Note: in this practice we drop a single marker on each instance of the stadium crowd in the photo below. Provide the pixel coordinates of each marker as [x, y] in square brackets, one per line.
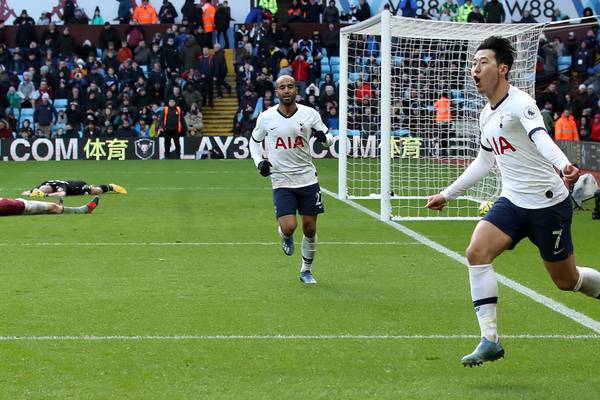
[58, 87]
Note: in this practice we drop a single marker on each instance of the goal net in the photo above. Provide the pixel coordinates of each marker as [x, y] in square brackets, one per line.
[409, 111]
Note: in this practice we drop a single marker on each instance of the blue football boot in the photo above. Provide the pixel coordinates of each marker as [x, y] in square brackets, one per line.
[307, 277]
[485, 351]
[287, 245]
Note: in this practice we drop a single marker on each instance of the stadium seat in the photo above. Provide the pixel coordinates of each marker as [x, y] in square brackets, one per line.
[353, 132]
[397, 61]
[324, 52]
[324, 60]
[334, 61]
[335, 68]
[401, 132]
[564, 63]
[336, 78]
[145, 70]
[60, 104]
[325, 68]
[353, 76]
[334, 132]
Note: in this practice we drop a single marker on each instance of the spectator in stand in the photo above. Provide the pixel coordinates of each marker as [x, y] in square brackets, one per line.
[450, 9]
[68, 16]
[167, 13]
[408, 7]
[583, 60]
[590, 39]
[13, 99]
[97, 18]
[571, 44]
[494, 12]
[45, 18]
[464, 11]
[66, 44]
[27, 92]
[124, 11]
[595, 134]
[44, 116]
[301, 73]
[135, 35]
[566, 127]
[475, 16]
[5, 131]
[590, 18]
[108, 35]
[192, 12]
[25, 30]
[25, 131]
[559, 16]
[296, 12]
[351, 17]
[2, 32]
[222, 21]
[145, 13]
[527, 18]
[313, 11]
[142, 129]
[142, 54]
[548, 116]
[193, 121]
[331, 41]
[585, 128]
[208, 20]
[550, 57]
[364, 10]
[220, 70]
[206, 68]
[270, 5]
[124, 53]
[331, 14]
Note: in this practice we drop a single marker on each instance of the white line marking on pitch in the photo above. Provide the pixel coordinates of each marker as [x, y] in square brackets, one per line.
[86, 244]
[282, 337]
[560, 308]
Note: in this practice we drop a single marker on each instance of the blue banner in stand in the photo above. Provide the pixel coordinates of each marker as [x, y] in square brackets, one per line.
[192, 148]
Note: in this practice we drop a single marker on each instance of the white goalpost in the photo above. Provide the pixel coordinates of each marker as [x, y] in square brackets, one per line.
[409, 112]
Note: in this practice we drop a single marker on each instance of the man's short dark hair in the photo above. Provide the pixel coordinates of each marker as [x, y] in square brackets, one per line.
[502, 48]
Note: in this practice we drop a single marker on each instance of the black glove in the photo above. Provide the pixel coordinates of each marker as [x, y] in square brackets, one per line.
[265, 167]
[319, 135]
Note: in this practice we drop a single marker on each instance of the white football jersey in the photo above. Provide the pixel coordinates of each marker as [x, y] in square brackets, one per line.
[287, 140]
[528, 179]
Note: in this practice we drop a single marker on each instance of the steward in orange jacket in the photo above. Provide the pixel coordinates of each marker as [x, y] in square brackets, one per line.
[566, 127]
[145, 13]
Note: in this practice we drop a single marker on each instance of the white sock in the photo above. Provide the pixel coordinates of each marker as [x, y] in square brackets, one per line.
[309, 248]
[589, 282]
[484, 293]
[281, 233]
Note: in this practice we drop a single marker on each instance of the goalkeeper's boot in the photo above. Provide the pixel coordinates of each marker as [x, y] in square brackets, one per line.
[307, 277]
[485, 351]
[91, 206]
[37, 193]
[287, 245]
[117, 188]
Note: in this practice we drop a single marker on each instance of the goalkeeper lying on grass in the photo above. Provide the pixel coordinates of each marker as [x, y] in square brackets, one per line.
[71, 188]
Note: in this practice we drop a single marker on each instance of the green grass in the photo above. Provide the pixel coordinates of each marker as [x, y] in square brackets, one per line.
[193, 250]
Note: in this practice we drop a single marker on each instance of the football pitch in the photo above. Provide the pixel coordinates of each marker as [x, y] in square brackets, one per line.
[179, 290]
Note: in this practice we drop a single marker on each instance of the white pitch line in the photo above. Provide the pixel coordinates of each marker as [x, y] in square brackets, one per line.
[554, 305]
[89, 244]
[90, 338]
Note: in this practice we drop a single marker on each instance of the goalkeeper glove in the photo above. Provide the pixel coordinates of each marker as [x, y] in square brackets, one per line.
[265, 167]
[320, 136]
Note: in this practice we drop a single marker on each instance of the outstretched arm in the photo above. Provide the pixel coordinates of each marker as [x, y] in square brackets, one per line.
[554, 154]
[473, 174]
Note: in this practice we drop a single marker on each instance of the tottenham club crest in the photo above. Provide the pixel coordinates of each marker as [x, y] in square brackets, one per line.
[144, 148]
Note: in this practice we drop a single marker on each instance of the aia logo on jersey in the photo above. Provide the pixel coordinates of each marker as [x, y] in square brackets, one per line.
[288, 143]
[500, 145]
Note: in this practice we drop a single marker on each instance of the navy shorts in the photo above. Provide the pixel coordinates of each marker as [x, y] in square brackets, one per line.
[548, 228]
[306, 200]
